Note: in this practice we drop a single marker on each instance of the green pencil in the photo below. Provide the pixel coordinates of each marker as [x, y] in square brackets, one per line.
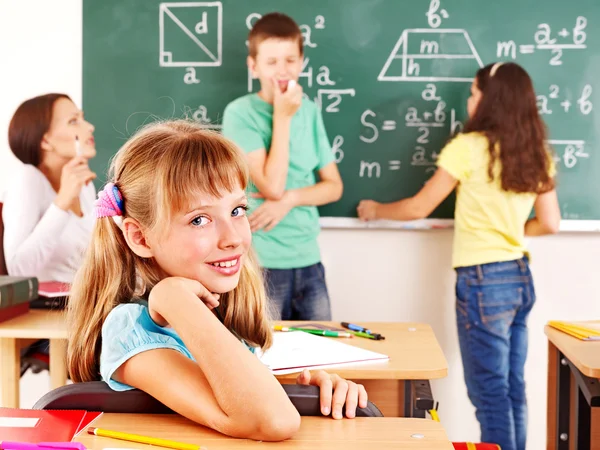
[326, 333]
[364, 335]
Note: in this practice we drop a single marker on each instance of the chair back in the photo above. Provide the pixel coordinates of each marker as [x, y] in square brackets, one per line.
[3, 269]
[98, 396]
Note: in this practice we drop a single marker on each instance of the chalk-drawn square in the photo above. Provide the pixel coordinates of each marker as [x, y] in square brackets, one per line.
[190, 34]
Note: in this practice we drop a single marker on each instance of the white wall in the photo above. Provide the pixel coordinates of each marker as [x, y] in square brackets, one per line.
[372, 275]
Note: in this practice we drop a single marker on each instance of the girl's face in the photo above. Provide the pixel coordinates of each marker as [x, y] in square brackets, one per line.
[207, 243]
[474, 99]
[67, 124]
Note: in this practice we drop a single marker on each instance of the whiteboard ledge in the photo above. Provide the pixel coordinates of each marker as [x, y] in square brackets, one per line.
[436, 224]
[349, 222]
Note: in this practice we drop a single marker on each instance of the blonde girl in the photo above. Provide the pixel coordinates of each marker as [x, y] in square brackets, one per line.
[170, 299]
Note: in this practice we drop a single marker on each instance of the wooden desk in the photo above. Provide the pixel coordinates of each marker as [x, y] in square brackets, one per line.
[573, 368]
[36, 324]
[415, 355]
[315, 433]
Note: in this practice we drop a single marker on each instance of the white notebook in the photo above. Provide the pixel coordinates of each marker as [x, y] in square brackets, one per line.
[294, 351]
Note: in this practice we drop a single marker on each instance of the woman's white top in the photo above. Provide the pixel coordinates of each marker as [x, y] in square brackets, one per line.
[40, 239]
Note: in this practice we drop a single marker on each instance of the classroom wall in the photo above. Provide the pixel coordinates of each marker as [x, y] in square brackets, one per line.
[372, 275]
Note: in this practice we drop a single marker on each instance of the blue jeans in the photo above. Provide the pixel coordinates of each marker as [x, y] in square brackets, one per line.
[492, 305]
[298, 294]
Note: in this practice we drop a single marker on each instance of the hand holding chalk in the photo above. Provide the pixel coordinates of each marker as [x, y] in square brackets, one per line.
[285, 104]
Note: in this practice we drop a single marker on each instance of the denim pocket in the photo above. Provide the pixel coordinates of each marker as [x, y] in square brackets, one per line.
[461, 306]
[498, 304]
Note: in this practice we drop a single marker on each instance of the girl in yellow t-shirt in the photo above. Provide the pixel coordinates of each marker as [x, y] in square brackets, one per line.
[501, 168]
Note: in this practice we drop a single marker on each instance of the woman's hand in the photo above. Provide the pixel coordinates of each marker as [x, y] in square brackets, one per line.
[75, 174]
[335, 392]
[169, 289]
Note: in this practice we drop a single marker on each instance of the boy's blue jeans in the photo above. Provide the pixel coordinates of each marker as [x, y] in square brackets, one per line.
[492, 305]
[298, 294]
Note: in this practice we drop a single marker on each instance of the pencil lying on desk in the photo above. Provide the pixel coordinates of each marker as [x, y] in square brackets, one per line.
[143, 439]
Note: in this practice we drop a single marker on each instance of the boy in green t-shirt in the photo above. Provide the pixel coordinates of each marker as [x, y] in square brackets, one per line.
[292, 170]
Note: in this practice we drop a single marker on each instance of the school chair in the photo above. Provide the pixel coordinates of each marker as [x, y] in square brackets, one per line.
[97, 396]
[35, 357]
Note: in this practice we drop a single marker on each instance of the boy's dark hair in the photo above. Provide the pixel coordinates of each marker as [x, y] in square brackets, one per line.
[273, 25]
[507, 115]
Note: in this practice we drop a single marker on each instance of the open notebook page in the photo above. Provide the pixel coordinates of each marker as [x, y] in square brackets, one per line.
[295, 350]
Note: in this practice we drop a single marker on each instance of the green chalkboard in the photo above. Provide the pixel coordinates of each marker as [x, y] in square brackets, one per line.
[391, 76]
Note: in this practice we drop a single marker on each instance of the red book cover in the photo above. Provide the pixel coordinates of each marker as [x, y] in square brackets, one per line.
[90, 416]
[13, 311]
[34, 425]
[51, 289]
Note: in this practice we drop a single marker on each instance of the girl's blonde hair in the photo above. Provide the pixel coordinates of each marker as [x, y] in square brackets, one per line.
[158, 171]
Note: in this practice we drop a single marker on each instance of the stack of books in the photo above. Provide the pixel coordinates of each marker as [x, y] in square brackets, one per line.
[52, 295]
[584, 330]
[16, 293]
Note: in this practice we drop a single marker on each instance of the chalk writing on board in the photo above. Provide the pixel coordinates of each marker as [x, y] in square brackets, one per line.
[336, 148]
[572, 151]
[184, 28]
[200, 115]
[416, 53]
[584, 104]
[544, 40]
[331, 98]
[190, 76]
[394, 164]
[435, 14]
[370, 169]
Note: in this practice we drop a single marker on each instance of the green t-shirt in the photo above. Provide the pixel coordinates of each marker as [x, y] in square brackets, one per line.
[248, 121]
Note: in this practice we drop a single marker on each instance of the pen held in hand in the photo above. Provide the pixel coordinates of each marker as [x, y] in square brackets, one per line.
[77, 147]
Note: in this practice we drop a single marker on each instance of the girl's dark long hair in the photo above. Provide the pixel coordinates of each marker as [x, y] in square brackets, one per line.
[507, 115]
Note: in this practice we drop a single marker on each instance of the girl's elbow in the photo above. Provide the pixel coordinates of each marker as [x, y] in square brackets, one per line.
[272, 426]
[553, 226]
[278, 427]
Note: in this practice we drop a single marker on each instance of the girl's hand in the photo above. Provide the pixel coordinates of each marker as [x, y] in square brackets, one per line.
[335, 392]
[169, 289]
[367, 210]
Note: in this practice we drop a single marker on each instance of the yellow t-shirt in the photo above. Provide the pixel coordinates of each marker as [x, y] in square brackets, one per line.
[489, 223]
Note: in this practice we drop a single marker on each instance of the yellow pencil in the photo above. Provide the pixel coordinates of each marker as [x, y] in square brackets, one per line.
[434, 415]
[142, 439]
